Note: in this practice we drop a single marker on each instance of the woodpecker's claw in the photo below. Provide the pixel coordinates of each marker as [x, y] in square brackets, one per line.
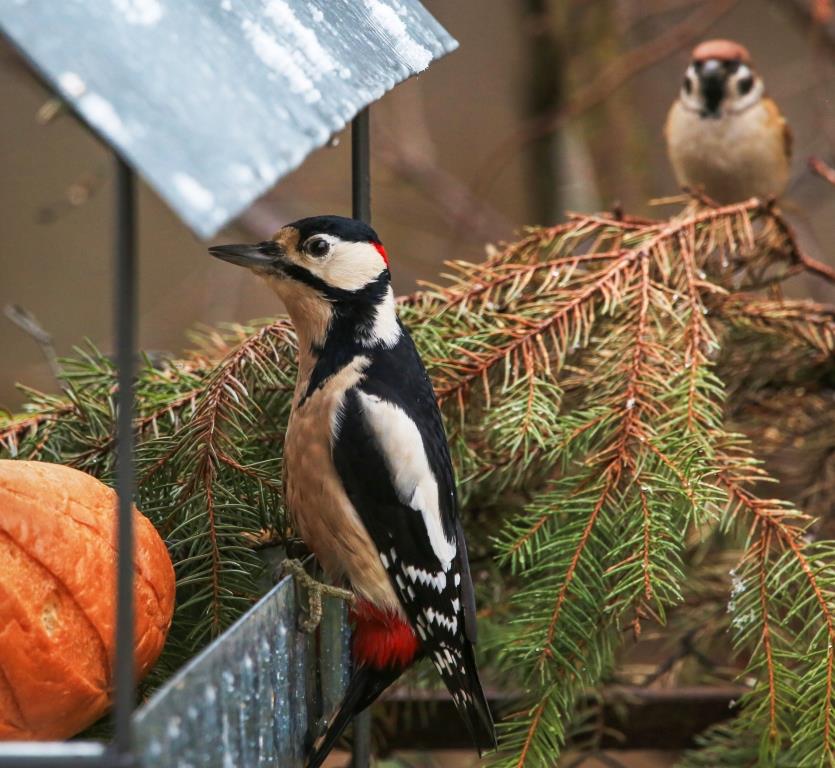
[315, 590]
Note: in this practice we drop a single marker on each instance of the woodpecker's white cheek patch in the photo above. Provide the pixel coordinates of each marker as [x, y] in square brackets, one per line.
[350, 266]
[402, 447]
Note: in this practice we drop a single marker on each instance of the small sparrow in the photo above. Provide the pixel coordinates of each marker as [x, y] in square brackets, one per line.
[725, 138]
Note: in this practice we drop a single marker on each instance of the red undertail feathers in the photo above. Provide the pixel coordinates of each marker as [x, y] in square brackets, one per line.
[382, 639]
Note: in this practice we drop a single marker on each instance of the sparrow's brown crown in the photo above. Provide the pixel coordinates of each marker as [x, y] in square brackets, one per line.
[724, 50]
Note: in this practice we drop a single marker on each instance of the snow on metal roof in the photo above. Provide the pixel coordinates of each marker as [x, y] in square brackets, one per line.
[213, 101]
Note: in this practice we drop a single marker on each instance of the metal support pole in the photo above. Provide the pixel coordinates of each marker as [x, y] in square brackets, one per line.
[361, 206]
[124, 307]
[361, 166]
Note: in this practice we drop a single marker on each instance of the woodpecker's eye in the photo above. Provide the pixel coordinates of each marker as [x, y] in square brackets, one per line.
[317, 247]
[745, 85]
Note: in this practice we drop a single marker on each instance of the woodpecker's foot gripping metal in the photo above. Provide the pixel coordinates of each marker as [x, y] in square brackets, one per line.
[315, 590]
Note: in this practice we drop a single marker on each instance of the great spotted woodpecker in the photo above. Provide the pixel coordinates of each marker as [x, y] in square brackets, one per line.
[724, 135]
[368, 477]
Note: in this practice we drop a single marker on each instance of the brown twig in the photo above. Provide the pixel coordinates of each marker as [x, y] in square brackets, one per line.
[764, 546]
[809, 264]
[822, 169]
[575, 559]
[809, 321]
[523, 755]
[11, 433]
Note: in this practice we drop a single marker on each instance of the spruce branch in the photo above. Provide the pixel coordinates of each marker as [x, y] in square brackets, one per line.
[592, 375]
[795, 322]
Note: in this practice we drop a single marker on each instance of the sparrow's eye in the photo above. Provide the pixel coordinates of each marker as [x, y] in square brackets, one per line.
[745, 85]
[317, 247]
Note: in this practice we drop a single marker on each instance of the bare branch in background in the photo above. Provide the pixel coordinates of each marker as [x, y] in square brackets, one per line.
[810, 264]
[826, 172]
[817, 12]
[262, 218]
[29, 324]
[645, 9]
[544, 87]
[77, 194]
[822, 11]
[818, 18]
[403, 143]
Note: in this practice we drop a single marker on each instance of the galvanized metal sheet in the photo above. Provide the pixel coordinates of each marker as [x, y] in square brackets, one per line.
[212, 101]
[255, 696]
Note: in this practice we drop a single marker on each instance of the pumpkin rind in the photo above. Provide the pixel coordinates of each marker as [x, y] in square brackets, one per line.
[58, 599]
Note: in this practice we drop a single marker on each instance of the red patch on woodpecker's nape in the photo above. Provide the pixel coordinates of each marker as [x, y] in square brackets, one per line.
[382, 639]
[382, 252]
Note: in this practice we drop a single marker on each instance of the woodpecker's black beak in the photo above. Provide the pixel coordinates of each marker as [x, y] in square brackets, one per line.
[712, 78]
[261, 255]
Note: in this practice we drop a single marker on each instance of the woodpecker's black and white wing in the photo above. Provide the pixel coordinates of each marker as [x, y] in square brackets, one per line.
[391, 453]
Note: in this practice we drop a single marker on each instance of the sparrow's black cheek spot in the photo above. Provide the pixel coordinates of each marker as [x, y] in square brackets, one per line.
[745, 85]
[688, 86]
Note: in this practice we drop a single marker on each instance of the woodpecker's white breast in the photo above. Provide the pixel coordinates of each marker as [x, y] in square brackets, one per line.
[733, 157]
[319, 507]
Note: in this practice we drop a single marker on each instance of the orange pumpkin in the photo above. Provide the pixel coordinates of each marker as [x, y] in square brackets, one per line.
[58, 599]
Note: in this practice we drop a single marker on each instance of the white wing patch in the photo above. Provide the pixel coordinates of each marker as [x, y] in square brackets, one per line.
[402, 447]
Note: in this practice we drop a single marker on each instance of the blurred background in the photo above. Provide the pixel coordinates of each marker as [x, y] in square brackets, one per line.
[548, 106]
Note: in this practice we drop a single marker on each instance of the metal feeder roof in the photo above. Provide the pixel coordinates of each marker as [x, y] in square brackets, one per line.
[213, 101]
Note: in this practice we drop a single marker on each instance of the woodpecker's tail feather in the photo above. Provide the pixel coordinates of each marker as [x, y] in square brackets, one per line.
[367, 683]
[473, 706]
[365, 686]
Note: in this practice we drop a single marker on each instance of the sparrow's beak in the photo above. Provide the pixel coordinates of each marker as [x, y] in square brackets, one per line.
[262, 255]
[712, 81]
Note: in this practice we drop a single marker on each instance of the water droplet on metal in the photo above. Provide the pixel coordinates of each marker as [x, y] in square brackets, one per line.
[173, 730]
